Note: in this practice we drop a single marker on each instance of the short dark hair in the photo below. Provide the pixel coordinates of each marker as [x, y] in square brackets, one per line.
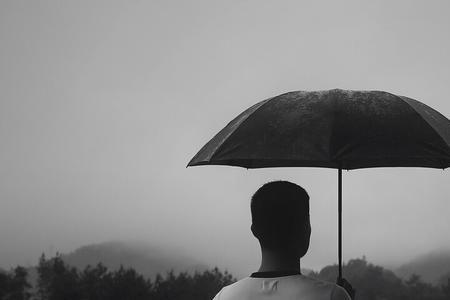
[278, 208]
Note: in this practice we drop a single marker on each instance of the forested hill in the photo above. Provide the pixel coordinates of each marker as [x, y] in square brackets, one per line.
[146, 260]
[433, 267]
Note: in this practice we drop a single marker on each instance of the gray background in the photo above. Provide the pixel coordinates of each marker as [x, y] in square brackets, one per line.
[102, 104]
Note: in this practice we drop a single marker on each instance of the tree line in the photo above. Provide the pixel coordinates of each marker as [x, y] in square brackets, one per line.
[373, 282]
[58, 281]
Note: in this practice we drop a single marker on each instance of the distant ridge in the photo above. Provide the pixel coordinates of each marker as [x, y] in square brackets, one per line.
[146, 260]
[433, 267]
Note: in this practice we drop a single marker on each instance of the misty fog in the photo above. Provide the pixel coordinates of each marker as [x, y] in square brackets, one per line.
[103, 105]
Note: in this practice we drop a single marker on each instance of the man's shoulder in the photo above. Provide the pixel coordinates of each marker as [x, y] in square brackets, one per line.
[293, 285]
[334, 290]
[240, 284]
[233, 287]
[328, 290]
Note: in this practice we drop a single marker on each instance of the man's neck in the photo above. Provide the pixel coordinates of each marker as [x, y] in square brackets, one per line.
[278, 261]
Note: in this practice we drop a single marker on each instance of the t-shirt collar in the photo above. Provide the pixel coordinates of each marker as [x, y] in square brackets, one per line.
[271, 274]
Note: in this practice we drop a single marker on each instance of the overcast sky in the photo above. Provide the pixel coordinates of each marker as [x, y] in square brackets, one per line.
[102, 104]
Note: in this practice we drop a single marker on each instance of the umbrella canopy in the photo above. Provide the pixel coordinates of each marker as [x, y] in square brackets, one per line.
[335, 129]
[339, 129]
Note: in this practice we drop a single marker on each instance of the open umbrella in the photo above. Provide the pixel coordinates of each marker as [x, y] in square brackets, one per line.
[338, 129]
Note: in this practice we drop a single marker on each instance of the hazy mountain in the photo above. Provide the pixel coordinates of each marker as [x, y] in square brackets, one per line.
[431, 267]
[144, 259]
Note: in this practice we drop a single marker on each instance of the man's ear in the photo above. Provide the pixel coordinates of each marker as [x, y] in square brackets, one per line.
[254, 230]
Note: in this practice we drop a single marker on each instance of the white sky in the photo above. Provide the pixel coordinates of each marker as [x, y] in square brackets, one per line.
[102, 104]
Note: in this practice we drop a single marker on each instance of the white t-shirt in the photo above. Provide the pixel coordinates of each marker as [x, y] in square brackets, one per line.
[289, 287]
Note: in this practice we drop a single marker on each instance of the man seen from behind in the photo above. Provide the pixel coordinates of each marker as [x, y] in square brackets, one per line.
[280, 222]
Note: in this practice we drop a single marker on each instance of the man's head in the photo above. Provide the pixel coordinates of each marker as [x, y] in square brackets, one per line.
[280, 217]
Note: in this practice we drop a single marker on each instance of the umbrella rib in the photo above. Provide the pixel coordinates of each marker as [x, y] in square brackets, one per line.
[445, 140]
[223, 139]
[230, 135]
[332, 156]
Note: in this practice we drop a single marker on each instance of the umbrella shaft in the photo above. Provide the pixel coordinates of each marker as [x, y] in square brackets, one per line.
[340, 221]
